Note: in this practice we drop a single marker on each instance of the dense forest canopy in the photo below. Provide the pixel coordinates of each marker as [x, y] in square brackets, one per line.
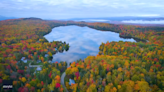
[118, 67]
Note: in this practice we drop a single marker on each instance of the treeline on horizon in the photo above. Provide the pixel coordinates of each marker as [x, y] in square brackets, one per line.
[118, 67]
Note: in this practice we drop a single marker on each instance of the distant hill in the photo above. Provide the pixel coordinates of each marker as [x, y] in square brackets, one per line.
[32, 18]
[118, 18]
[5, 18]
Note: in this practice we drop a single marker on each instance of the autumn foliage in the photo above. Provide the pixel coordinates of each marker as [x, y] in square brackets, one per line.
[24, 38]
[118, 67]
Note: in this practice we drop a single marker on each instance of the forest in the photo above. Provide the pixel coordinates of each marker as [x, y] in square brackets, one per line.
[118, 67]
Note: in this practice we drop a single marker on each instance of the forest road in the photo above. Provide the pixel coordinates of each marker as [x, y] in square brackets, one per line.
[62, 79]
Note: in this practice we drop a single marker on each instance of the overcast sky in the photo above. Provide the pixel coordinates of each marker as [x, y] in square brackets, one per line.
[64, 9]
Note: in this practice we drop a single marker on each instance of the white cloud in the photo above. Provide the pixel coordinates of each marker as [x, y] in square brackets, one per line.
[139, 3]
[81, 8]
[19, 0]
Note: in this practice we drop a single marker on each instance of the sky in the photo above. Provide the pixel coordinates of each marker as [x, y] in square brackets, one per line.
[66, 9]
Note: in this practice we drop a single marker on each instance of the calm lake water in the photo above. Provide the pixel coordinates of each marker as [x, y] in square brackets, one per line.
[83, 41]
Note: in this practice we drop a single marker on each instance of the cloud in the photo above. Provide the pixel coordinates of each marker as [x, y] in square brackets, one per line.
[19, 0]
[80, 8]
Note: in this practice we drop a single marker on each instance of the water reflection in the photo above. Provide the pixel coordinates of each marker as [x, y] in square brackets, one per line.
[83, 41]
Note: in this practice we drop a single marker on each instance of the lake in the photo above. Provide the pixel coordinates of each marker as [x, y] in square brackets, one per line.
[83, 41]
